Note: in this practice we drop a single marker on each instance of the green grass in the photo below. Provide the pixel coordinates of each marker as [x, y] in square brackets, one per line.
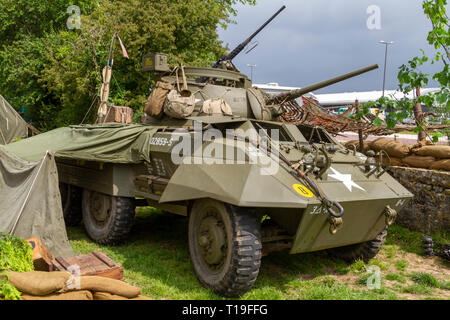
[425, 279]
[395, 277]
[401, 264]
[156, 258]
[412, 241]
[417, 289]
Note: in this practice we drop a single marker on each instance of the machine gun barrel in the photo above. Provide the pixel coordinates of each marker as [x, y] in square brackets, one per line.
[241, 47]
[294, 94]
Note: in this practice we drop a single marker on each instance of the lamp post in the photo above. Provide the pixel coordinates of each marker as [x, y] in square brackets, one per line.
[386, 43]
[251, 70]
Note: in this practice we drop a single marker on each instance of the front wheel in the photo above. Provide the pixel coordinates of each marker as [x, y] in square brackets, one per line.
[225, 247]
[365, 251]
[107, 219]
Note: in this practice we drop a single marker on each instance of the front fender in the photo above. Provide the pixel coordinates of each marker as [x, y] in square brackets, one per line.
[237, 184]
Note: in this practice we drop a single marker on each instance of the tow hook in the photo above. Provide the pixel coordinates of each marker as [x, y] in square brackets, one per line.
[335, 224]
[390, 215]
[335, 219]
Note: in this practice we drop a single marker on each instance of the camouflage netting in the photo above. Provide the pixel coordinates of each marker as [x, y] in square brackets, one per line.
[312, 114]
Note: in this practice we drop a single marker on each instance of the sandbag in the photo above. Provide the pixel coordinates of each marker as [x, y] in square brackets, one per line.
[379, 144]
[216, 106]
[418, 161]
[177, 106]
[38, 283]
[101, 284]
[436, 151]
[155, 102]
[108, 296]
[73, 295]
[441, 165]
[391, 147]
[396, 162]
[366, 145]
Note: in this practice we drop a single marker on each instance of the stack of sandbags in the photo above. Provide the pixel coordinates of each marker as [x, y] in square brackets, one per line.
[438, 156]
[60, 285]
[397, 151]
[421, 155]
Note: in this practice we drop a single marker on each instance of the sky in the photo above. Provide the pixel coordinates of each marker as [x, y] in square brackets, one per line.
[314, 40]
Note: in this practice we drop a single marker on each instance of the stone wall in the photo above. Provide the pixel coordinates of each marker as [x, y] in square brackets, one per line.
[429, 211]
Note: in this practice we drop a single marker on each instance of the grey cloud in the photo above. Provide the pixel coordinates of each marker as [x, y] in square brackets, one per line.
[311, 41]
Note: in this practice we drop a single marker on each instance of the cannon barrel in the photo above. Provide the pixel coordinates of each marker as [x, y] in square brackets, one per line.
[294, 94]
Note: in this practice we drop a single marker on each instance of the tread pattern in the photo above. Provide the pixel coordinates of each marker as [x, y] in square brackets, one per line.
[117, 228]
[365, 251]
[123, 218]
[246, 254]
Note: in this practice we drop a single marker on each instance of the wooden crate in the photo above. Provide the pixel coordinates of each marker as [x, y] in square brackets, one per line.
[42, 258]
[119, 115]
[94, 264]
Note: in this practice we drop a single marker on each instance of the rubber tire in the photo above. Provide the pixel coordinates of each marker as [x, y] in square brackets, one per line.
[243, 261]
[119, 224]
[71, 204]
[365, 251]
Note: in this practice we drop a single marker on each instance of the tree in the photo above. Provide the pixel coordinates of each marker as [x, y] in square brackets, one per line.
[411, 79]
[57, 72]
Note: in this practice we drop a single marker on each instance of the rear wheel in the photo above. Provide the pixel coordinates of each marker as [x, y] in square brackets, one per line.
[107, 219]
[365, 251]
[71, 204]
[225, 247]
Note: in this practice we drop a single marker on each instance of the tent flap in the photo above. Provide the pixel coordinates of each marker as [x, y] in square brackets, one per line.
[12, 125]
[30, 202]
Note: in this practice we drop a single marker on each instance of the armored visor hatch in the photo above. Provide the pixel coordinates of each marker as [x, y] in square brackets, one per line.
[219, 151]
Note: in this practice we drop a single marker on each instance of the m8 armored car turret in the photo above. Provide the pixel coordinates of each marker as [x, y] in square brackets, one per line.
[249, 182]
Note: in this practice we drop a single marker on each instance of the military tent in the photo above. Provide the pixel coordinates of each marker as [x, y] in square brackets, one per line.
[12, 125]
[30, 202]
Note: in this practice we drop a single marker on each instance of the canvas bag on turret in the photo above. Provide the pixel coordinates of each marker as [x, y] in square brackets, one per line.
[155, 102]
[177, 106]
[216, 106]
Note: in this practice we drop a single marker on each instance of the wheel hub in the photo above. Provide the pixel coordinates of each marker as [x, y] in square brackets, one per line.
[212, 241]
[100, 207]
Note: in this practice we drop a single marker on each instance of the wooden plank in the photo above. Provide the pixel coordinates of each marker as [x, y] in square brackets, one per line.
[103, 257]
[63, 262]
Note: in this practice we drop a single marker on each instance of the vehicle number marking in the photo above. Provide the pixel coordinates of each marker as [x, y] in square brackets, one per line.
[160, 141]
[318, 210]
[400, 203]
[302, 190]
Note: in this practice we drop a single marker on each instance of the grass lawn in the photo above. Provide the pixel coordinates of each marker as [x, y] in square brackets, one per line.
[156, 258]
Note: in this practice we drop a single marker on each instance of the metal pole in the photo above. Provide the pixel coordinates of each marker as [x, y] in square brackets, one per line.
[384, 76]
[251, 70]
[386, 43]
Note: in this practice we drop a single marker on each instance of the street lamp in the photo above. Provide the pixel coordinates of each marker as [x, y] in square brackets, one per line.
[385, 60]
[251, 70]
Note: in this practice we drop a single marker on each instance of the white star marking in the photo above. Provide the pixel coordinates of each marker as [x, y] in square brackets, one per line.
[346, 179]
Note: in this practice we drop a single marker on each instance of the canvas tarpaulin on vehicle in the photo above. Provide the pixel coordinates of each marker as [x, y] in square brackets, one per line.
[12, 125]
[113, 143]
[30, 203]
